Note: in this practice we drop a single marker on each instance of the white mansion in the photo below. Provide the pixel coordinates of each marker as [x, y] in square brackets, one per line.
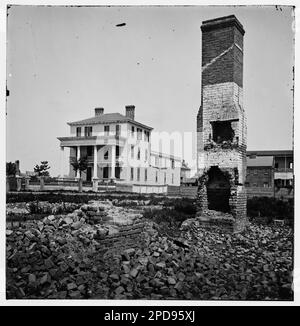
[118, 148]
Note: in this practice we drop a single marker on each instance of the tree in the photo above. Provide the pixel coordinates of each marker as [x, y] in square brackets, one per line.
[11, 168]
[42, 169]
[79, 165]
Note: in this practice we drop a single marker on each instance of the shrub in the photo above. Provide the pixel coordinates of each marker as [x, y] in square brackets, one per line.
[271, 208]
[186, 206]
[165, 215]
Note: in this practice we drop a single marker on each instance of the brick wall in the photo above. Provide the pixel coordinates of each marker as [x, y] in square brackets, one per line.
[260, 176]
[225, 37]
[129, 236]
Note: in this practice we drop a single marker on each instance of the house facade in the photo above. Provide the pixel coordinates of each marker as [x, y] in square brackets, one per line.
[118, 148]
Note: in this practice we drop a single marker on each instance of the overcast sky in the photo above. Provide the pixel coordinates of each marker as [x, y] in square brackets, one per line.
[62, 62]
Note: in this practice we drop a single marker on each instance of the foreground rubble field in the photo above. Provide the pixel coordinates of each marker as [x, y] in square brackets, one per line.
[60, 256]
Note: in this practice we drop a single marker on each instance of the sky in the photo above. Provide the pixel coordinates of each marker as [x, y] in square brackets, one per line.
[62, 62]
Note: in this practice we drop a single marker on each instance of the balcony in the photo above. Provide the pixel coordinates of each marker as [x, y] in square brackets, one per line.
[284, 174]
[92, 140]
[102, 162]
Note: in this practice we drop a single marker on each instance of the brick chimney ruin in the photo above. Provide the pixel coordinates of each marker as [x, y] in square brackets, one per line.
[221, 127]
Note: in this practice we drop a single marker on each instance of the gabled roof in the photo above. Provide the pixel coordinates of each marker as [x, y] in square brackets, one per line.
[260, 161]
[107, 118]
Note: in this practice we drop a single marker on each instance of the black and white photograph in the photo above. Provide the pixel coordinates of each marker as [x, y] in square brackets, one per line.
[149, 153]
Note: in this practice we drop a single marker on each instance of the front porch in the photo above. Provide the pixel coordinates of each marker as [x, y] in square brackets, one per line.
[103, 162]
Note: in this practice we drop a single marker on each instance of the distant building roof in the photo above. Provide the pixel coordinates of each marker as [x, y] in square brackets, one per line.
[271, 153]
[184, 166]
[107, 118]
[30, 173]
[159, 154]
[190, 180]
[260, 161]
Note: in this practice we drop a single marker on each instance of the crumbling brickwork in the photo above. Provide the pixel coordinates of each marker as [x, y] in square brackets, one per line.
[221, 122]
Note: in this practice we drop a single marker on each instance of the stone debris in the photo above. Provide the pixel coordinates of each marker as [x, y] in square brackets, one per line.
[59, 258]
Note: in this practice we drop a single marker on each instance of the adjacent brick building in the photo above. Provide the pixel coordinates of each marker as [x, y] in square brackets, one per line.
[270, 173]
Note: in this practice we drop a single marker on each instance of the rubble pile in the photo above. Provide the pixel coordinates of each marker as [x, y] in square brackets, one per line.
[214, 220]
[59, 258]
[204, 265]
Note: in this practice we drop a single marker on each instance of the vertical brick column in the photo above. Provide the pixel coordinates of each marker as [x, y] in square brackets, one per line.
[221, 122]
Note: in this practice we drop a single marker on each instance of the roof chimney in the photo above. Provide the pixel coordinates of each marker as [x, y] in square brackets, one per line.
[130, 111]
[99, 111]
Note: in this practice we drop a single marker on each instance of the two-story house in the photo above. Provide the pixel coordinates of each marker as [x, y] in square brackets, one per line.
[118, 148]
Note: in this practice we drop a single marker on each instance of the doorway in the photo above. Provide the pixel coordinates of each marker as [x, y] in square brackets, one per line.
[89, 173]
[105, 172]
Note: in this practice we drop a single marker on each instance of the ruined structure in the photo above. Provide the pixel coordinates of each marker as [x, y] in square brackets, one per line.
[221, 126]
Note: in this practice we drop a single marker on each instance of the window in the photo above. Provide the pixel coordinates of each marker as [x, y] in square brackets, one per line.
[117, 130]
[106, 155]
[147, 135]
[172, 178]
[146, 155]
[106, 130]
[89, 150]
[146, 174]
[131, 173]
[172, 164]
[132, 131]
[291, 165]
[117, 151]
[138, 174]
[156, 176]
[78, 132]
[139, 154]
[266, 184]
[156, 161]
[132, 151]
[165, 178]
[276, 165]
[139, 133]
[88, 131]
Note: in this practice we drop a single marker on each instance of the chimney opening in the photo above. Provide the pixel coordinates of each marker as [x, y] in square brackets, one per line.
[222, 131]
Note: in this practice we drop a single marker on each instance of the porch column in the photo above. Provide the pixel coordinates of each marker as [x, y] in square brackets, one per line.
[113, 161]
[19, 182]
[95, 174]
[27, 179]
[78, 157]
[61, 161]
